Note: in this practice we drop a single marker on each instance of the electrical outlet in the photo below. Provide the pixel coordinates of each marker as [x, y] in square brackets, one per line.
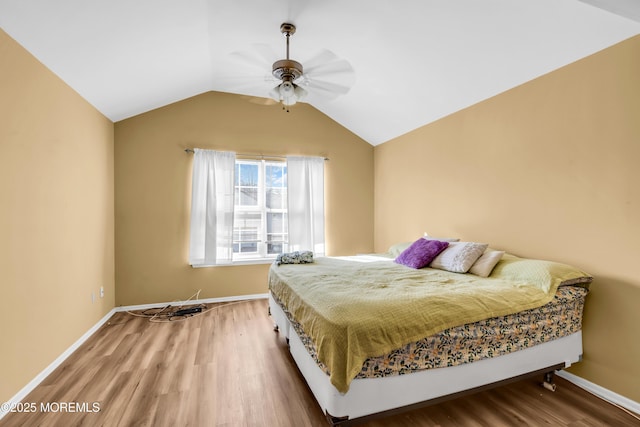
[101, 291]
[93, 297]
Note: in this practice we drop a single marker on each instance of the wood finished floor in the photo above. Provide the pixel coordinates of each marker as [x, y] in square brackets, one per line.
[227, 367]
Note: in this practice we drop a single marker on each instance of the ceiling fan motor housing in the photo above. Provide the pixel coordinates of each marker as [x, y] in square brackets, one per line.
[287, 69]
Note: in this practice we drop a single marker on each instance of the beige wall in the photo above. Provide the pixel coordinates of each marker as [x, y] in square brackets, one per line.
[153, 185]
[56, 217]
[545, 170]
[549, 170]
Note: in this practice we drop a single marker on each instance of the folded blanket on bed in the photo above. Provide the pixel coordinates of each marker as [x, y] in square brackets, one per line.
[353, 311]
[296, 257]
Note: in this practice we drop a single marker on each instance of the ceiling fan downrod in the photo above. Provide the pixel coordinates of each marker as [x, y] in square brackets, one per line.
[288, 30]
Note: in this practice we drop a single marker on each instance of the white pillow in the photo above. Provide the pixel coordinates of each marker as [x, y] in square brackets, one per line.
[484, 265]
[442, 239]
[398, 248]
[459, 256]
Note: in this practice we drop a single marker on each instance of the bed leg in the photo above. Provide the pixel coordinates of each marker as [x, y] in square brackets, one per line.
[335, 421]
[275, 327]
[548, 381]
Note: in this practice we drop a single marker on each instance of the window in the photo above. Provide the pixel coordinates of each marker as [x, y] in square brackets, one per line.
[240, 209]
[260, 211]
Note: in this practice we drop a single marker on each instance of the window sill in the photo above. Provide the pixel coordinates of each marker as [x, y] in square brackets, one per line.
[237, 263]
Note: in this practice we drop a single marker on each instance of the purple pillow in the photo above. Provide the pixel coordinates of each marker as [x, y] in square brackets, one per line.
[421, 253]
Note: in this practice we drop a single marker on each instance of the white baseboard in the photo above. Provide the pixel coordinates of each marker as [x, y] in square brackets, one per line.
[190, 302]
[601, 392]
[49, 369]
[17, 398]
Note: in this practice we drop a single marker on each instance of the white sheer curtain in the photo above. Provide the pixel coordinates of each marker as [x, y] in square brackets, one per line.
[305, 193]
[212, 202]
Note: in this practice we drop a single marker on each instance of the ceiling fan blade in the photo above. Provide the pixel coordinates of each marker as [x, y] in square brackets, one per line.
[243, 83]
[338, 71]
[319, 58]
[261, 56]
[328, 70]
[326, 62]
[247, 71]
[317, 86]
[260, 101]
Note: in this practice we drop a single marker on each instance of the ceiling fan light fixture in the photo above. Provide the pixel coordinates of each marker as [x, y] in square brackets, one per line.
[287, 93]
[301, 94]
[286, 89]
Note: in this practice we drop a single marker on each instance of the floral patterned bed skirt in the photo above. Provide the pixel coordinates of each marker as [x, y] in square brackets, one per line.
[475, 341]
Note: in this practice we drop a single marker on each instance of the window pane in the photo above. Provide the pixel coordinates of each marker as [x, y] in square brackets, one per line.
[246, 231]
[248, 176]
[276, 176]
[246, 182]
[248, 247]
[247, 220]
[248, 196]
[268, 176]
[276, 198]
[275, 248]
[275, 223]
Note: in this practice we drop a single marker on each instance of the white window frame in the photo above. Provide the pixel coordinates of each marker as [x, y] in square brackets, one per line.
[262, 241]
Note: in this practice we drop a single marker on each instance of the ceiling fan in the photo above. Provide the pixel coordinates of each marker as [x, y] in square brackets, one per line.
[288, 71]
[324, 76]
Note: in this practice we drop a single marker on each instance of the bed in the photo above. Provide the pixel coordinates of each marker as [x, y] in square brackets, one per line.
[373, 336]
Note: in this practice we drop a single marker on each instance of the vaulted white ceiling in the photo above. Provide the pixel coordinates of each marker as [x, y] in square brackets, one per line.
[414, 61]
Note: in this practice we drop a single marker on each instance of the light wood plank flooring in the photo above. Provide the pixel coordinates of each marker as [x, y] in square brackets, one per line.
[227, 367]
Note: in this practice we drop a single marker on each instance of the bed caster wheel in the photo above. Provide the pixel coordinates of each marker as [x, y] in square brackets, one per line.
[336, 421]
[548, 382]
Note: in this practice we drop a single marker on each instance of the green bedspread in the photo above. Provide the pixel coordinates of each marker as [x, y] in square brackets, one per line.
[355, 310]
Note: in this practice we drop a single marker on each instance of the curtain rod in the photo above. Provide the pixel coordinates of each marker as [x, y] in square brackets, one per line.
[261, 156]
